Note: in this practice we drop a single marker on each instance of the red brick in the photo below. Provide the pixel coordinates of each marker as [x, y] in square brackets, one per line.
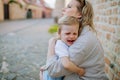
[119, 74]
[108, 36]
[114, 3]
[110, 55]
[115, 11]
[110, 74]
[102, 1]
[118, 60]
[114, 20]
[117, 49]
[110, 12]
[119, 3]
[116, 68]
[107, 61]
[107, 28]
[106, 69]
[116, 78]
[118, 21]
[97, 18]
[99, 33]
[115, 39]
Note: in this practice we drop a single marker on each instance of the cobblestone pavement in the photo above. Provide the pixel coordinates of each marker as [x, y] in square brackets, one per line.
[23, 48]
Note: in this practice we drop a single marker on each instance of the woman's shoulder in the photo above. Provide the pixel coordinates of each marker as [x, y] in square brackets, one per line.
[87, 34]
[87, 39]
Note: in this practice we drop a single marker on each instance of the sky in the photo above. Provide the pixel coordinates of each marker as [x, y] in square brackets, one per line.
[51, 3]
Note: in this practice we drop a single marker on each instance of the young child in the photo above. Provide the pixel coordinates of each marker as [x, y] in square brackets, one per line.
[68, 33]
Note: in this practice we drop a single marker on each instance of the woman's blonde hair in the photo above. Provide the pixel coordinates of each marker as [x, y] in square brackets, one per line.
[86, 9]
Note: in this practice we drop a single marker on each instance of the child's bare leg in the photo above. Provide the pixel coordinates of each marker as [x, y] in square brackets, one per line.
[41, 75]
[41, 72]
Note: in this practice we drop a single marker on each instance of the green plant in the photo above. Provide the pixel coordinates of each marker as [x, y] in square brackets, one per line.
[16, 2]
[53, 28]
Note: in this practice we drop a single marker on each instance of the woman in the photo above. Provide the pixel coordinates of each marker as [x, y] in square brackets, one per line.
[68, 32]
[86, 51]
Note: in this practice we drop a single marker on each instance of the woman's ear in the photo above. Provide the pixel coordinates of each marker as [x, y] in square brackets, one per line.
[79, 16]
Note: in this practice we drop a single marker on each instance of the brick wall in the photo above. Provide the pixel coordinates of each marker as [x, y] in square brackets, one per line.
[107, 23]
[1, 11]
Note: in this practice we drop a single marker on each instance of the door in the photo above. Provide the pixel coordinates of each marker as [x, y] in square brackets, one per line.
[6, 11]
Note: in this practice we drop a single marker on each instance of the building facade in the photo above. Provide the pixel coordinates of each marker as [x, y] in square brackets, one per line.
[1, 11]
[23, 9]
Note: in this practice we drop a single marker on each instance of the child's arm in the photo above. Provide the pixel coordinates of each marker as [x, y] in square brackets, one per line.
[43, 68]
[71, 66]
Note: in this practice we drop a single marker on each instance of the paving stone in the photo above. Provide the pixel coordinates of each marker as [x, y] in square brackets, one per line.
[24, 47]
[11, 76]
[1, 74]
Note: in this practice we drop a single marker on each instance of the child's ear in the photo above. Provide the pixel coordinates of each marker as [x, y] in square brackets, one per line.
[57, 36]
[59, 31]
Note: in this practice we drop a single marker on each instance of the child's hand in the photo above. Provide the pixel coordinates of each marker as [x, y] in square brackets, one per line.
[81, 72]
[43, 68]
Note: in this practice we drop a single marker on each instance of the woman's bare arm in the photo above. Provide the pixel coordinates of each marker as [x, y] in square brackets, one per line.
[51, 47]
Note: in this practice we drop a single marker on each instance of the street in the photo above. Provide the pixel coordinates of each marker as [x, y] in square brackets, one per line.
[23, 48]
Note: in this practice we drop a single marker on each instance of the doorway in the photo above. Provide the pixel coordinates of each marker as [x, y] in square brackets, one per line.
[6, 11]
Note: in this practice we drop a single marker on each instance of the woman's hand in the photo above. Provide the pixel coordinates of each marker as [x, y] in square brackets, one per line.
[43, 68]
[51, 47]
[53, 40]
[81, 72]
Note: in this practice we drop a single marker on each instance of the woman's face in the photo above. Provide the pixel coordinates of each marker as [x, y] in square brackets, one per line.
[71, 9]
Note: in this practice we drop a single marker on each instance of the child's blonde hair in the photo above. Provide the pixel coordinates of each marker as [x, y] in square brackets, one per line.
[67, 20]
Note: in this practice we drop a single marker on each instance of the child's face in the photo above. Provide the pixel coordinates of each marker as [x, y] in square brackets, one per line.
[69, 33]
